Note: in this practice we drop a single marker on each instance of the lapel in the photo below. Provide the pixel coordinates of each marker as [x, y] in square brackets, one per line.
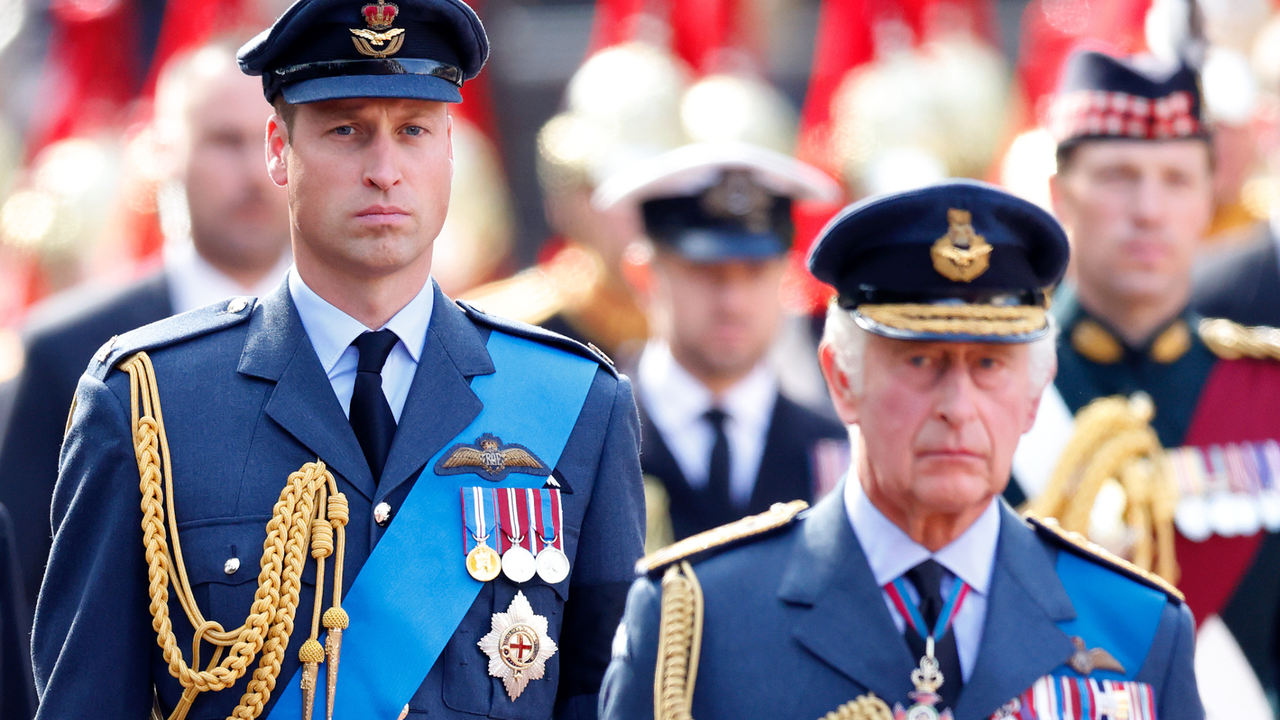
[303, 403]
[784, 470]
[440, 403]
[848, 624]
[1021, 640]
[656, 457]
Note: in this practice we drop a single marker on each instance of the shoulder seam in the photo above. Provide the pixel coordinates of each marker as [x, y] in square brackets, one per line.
[1080, 545]
[778, 516]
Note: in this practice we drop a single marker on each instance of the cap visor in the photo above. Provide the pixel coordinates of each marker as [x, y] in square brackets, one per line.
[411, 87]
[710, 247]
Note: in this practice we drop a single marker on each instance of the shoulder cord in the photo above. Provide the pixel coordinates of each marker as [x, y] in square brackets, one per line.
[309, 513]
[864, 707]
[1113, 439]
[679, 643]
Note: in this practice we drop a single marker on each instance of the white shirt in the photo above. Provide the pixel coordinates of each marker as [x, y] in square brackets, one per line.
[676, 402]
[194, 282]
[970, 557]
[332, 331]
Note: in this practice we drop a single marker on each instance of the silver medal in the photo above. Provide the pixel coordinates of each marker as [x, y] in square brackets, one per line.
[553, 565]
[518, 564]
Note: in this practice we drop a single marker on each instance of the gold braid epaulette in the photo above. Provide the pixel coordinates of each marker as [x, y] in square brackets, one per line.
[1083, 546]
[679, 643]
[1231, 341]
[775, 517]
[311, 513]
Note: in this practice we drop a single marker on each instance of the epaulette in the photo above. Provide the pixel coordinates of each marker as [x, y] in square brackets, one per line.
[1078, 544]
[542, 335]
[723, 537]
[1231, 341]
[170, 331]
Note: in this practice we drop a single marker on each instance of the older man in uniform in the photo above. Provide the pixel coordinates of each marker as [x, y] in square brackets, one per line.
[914, 591]
[422, 510]
[721, 441]
[1134, 192]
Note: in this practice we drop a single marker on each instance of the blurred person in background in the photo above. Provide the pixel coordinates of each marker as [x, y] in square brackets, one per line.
[721, 441]
[228, 231]
[1134, 190]
[1242, 283]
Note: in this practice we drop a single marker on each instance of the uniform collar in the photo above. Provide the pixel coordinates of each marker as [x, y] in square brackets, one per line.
[891, 553]
[332, 331]
[1098, 342]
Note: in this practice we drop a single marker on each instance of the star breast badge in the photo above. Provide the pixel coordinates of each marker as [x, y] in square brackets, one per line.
[518, 646]
[491, 459]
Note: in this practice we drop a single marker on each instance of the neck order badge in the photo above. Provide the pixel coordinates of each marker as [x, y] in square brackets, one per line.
[396, 631]
[927, 678]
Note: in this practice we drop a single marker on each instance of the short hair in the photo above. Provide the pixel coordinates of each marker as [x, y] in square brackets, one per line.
[849, 342]
[186, 71]
[1066, 152]
[286, 110]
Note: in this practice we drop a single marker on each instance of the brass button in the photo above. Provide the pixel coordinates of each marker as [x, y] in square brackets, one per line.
[237, 305]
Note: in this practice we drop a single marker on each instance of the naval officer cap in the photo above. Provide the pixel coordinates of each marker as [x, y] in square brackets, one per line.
[718, 201]
[332, 49]
[960, 261]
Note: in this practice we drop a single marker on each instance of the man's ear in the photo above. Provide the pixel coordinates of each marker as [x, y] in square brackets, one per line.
[843, 396]
[277, 146]
[1055, 193]
[448, 132]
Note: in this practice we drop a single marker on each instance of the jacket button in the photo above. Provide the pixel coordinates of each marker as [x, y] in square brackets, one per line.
[231, 566]
[382, 514]
[237, 305]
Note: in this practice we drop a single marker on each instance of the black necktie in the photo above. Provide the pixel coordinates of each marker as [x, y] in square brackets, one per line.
[719, 506]
[371, 416]
[927, 577]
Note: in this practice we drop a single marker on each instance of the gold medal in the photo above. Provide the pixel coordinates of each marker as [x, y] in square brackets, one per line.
[483, 563]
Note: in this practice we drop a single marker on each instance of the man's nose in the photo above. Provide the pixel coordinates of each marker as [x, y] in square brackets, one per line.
[957, 395]
[381, 169]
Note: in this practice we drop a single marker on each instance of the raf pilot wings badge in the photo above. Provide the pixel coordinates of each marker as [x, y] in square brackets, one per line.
[491, 459]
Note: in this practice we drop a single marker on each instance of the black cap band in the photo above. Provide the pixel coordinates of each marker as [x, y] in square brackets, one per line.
[385, 66]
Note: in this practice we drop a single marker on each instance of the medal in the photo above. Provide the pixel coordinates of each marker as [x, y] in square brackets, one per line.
[513, 518]
[926, 678]
[552, 563]
[518, 646]
[479, 510]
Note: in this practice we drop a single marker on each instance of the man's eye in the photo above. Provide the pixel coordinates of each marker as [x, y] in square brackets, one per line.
[987, 363]
[919, 361]
[344, 130]
[415, 130]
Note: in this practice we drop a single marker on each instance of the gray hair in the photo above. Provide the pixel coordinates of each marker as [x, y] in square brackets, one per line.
[849, 342]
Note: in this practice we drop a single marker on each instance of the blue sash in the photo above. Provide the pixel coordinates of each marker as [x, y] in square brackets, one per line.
[1095, 593]
[414, 589]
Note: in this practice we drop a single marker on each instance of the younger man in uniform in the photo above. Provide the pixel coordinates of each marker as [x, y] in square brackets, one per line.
[445, 504]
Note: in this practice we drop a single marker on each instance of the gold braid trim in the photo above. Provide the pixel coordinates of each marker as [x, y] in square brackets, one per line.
[775, 517]
[958, 319]
[679, 643]
[864, 707]
[1230, 341]
[1113, 443]
[300, 511]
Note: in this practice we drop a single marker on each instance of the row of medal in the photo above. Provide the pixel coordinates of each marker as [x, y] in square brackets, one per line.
[518, 532]
[1228, 490]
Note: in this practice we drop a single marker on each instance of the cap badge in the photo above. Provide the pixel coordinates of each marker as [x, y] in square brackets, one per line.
[961, 254]
[380, 40]
[491, 459]
[738, 197]
[518, 646]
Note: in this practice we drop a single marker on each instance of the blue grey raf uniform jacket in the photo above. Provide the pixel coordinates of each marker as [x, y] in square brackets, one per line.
[795, 627]
[246, 403]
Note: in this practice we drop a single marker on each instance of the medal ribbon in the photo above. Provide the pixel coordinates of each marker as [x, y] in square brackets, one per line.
[549, 519]
[477, 517]
[911, 612]
[515, 527]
